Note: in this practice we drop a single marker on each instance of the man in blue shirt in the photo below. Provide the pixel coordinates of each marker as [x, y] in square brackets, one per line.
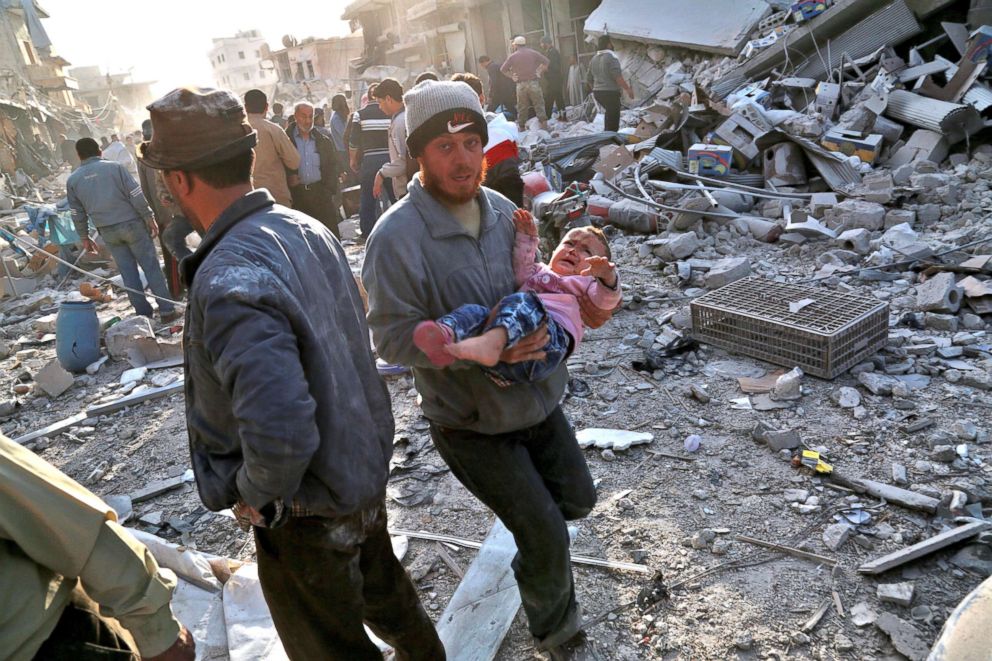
[105, 192]
[316, 183]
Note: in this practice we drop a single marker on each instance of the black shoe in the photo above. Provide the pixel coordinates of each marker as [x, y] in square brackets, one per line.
[577, 648]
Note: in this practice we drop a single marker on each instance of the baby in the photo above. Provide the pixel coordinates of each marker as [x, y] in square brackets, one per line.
[547, 293]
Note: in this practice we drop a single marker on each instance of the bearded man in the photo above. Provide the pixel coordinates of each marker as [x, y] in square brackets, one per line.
[447, 243]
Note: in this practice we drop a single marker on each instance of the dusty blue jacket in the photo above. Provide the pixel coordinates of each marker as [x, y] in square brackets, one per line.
[106, 193]
[283, 400]
[420, 264]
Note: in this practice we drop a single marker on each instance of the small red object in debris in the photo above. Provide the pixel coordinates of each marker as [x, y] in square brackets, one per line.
[535, 183]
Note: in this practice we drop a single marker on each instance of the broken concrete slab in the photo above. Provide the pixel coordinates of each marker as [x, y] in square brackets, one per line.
[727, 271]
[722, 28]
[855, 214]
[836, 534]
[926, 547]
[904, 636]
[126, 335]
[776, 439]
[855, 240]
[939, 294]
[53, 379]
[615, 439]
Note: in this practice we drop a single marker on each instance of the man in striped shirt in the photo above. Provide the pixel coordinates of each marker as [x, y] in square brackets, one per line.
[104, 192]
[369, 143]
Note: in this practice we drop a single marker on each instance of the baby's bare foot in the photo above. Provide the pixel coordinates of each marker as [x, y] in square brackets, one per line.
[484, 349]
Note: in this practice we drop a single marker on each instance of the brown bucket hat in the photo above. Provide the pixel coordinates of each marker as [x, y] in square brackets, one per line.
[194, 128]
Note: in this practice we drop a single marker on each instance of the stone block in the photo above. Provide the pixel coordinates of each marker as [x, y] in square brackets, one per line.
[53, 379]
[726, 271]
[678, 247]
[900, 594]
[895, 217]
[819, 203]
[127, 335]
[853, 214]
[856, 240]
[939, 294]
[835, 535]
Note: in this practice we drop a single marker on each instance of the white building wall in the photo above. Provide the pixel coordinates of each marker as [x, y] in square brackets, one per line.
[236, 62]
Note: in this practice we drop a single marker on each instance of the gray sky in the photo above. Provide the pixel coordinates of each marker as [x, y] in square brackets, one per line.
[168, 41]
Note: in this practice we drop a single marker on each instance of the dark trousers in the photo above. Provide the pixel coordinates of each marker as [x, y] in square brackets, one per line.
[368, 207]
[82, 634]
[535, 480]
[611, 105]
[174, 237]
[323, 578]
[520, 314]
[553, 94]
[317, 201]
[504, 177]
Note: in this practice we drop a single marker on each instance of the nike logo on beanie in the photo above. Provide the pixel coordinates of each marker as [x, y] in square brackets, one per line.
[455, 128]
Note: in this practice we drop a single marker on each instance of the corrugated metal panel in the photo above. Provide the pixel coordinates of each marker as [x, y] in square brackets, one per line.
[727, 85]
[979, 97]
[836, 171]
[954, 120]
[886, 27]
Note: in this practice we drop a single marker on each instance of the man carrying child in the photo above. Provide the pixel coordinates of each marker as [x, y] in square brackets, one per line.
[449, 243]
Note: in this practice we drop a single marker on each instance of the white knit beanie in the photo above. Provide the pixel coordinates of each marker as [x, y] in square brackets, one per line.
[437, 107]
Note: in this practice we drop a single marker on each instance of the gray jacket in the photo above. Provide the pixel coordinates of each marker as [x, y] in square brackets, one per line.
[283, 400]
[420, 264]
[106, 193]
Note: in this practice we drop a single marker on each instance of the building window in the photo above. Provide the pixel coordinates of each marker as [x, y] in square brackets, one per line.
[247, 75]
[29, 52]
[310, 68]
[299, 71]
[241, 55]
[258, 54]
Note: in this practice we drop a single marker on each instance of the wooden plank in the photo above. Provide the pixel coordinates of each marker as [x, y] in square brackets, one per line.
[131, 400]
[892, 494]
[920, 549]
[156, 488]
[102, 409]
[480, 612]
[54, 428]
[806, 555]
[576, 558]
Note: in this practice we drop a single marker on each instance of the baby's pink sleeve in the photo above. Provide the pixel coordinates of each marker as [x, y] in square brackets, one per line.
[601, 296]
[524, 251]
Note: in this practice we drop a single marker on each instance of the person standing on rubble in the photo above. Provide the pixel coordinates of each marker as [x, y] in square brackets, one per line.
[116, 151]
[606, 81]
[389, 94]
[275, 152]
[525, 66]
[502, 92]
[104, 192]
[67, 148]
[316, 183]
[552, 81]
[73, 583]
[447, 243]
[501, 153]
[369, 149]
[172, 227]
[289, 423]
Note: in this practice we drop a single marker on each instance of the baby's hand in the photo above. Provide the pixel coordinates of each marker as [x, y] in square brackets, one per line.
[602, 268]
[524, 222]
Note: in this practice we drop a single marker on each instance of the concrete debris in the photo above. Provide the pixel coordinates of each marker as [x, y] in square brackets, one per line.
[53, 380]
[900, 594]
[836, 534]
[906, 638]
[939, 294]
[727, 271]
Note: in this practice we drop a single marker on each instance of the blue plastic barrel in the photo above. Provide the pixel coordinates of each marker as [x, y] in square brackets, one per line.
[77, 335]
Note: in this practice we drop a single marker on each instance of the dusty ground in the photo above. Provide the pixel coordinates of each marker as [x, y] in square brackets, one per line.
[649, 505]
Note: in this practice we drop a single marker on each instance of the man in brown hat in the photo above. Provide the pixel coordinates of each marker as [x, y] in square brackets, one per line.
[289, 422]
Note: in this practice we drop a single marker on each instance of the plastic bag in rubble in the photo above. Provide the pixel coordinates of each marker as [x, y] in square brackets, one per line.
[788, 386]
[634, 216]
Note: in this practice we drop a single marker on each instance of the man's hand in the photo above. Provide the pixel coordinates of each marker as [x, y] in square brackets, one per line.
[184, 649]
[89, 245]
[353, 161]
[593, 316]
[524, 222]
[377, 185]
[528, 348]
[602, 268]
[293, 180]
[152, 227]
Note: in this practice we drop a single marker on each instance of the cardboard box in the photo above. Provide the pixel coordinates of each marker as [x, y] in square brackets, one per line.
[710, 160]
[865, 147]
[807, 9]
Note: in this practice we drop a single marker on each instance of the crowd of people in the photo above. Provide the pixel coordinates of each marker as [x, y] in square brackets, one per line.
[289, 420]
